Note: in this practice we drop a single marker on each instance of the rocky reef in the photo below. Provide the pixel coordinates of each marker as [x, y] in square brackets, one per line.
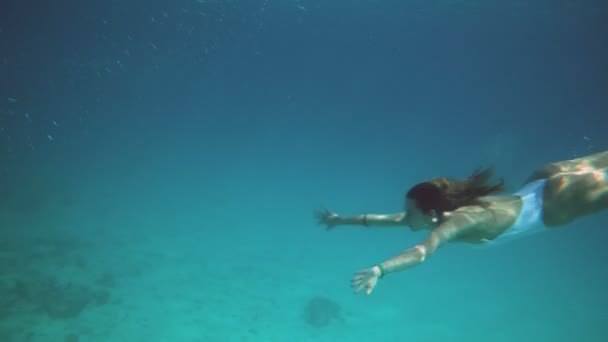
[321, 311]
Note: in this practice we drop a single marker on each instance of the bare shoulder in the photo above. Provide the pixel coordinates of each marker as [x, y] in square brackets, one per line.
[487, 221]
[492, 207]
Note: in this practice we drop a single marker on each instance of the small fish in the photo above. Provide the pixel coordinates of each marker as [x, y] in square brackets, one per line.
[10, 99]
[50, 137]
[55, 123]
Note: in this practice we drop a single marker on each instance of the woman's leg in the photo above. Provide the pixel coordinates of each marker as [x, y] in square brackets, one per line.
[594, 162]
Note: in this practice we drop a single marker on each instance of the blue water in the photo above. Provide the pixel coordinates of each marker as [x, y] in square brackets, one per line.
[161, 161]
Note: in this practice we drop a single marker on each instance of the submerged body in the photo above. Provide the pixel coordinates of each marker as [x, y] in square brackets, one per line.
[553, 196]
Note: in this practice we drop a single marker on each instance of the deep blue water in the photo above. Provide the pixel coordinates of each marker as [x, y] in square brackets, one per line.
[160, 162]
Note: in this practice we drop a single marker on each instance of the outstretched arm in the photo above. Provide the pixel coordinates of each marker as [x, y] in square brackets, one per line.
[416, 255]
[366, 279]
[330, 219]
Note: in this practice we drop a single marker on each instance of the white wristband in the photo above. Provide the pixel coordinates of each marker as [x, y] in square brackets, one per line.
[422, 250]
[377, 271]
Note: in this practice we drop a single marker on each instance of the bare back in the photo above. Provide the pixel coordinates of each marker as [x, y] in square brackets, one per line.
[488, 221]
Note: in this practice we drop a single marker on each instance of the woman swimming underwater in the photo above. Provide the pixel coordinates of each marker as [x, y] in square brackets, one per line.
[468, 211]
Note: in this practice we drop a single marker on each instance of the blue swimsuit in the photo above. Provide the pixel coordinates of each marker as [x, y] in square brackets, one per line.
[530, 220]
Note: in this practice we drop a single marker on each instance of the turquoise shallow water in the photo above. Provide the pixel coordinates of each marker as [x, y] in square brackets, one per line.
[160, 166]
[122, 265]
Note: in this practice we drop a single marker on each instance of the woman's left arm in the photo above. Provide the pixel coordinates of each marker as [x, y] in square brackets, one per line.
[448, 231]
[416, 255]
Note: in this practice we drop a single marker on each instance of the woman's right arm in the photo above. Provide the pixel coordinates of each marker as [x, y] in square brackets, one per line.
[331, 219]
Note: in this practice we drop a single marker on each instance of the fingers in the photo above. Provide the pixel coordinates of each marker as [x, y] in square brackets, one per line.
[323, 217]
[363, 272]
[357, 281]
[363, 280]
[359, 278]
[319, 215]
[368, 288]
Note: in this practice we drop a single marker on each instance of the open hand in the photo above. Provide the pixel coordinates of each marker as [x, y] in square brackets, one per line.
[327, 218]
[366, 279]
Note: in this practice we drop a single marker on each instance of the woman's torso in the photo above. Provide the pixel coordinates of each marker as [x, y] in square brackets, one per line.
[554, 195]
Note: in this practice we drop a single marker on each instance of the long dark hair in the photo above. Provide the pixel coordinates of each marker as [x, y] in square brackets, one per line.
[446, 194]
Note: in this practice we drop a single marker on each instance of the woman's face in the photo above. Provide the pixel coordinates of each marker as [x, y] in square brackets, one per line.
[416, 219]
